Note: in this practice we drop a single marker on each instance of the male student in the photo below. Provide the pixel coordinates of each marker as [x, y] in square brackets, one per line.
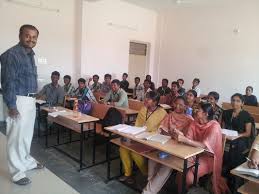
[164, 89]
[106, 85]
[117, 96]
[83, 92]
[152, 86]
[138, 89]
[124, 82]
[19, 85]
[53, 93]
[68, 87]
[96, 86]
[181, 90]
[195, 84]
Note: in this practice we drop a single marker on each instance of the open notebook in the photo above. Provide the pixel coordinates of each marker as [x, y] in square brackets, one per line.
[229, 132]
[243, 169]
[128, 129]
[154, 137]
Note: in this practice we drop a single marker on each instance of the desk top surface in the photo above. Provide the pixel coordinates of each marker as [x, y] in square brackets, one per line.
[172, 147]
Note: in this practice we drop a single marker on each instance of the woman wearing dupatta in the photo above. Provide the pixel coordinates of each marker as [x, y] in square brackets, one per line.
[205, 133]
[177, 120]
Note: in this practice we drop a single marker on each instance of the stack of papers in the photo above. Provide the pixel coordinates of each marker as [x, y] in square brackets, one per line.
[166, 106]
[229, 132]
[57, 113]
[156, 137]
[243, 169]
[127, 129]
[41, 102]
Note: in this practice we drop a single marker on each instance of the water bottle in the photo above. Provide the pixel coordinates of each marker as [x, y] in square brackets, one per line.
[189, 111]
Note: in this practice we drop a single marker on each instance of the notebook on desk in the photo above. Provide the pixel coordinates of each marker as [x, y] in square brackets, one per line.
[229, 132]
[244, 169]
[127, 129]
[154, 137]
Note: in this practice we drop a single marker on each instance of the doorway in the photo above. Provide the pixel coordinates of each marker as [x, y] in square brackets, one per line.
[138, 61]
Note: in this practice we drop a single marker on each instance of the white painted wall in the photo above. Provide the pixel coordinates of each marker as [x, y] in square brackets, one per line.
[108, 27]
[199, 41]
[58, 40]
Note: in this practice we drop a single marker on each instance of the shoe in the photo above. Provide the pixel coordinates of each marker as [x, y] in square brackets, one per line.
[23, 181]
[123, 178]
[39, 166]
[130, 181]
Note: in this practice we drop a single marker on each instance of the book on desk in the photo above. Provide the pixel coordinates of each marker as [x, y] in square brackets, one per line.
[245, 170]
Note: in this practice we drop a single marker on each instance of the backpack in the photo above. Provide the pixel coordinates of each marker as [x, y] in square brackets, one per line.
[112, 117]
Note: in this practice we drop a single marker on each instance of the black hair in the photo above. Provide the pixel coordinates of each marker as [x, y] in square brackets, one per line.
[193, 93]
[250, 87]
[96, 76]
[239, 96]
[166, 80]
[81, 80]
[180, 80]
[207, 108]
[137, 78]
[116, 81]
[27, 26]
[108, 76]
[148, 76]
[153, 95]
[176, 83]
[197, 80]
[146, 80]
[67, 77]
[214, 94]
[55, 73]
[180, 98]
[125, 74]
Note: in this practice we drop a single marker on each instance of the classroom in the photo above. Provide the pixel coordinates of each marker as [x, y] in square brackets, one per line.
[129, 96]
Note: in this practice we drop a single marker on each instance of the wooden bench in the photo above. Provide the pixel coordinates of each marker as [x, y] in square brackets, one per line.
[135, 104]
[250, 109]
[249, 188]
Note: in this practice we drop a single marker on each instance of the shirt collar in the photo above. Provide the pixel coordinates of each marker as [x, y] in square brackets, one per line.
[23, 49]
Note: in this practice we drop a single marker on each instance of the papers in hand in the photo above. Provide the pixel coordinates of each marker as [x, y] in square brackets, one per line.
[229, 132]
[244, 169]
[57, 113]
[154, 137]
[41, 102]
[128, 129]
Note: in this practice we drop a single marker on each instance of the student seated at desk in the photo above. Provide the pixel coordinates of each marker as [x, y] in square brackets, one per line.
[83, 92]
[241, 121]
[254, 154]
[106, 85]
[170, 98]
[96, 86]
[68, 87]
[249, 98]
[138, 89]
[124, 82]
[191, 96]
[213, 98]
[181, 90]
[152, 85]
[158, 173]
[53, 93]
[195, 84]
[205, 133]
[117, 96]
[142, 94]
[150, 116]
[164, 89]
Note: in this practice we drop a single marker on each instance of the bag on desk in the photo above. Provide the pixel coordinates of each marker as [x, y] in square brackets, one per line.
[112, 117]
[85, 106]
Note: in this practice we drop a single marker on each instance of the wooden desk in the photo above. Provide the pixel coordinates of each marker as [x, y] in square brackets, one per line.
[39, 104]
[76, 122]
[249, 188]
[177, 150]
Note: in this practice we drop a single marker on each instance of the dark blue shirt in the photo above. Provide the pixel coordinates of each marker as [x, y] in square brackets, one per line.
[18, 74]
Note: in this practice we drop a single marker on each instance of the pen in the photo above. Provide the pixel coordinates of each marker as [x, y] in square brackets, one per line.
[249, 160]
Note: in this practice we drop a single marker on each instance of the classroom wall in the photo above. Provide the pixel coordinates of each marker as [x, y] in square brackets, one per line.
[58, 45]
[108, 27]
[217, 42]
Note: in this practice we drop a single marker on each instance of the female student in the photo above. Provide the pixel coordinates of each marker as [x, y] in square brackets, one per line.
[191, 96]
[254, 154]
[150, 116]
[241, 121]
[205, 133]
[177, 120]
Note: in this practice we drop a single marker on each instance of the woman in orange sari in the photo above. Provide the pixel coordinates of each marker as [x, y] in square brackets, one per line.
[175, 121]
[205, 133]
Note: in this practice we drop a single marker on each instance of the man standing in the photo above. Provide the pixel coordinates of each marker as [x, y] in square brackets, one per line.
[19, 84]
